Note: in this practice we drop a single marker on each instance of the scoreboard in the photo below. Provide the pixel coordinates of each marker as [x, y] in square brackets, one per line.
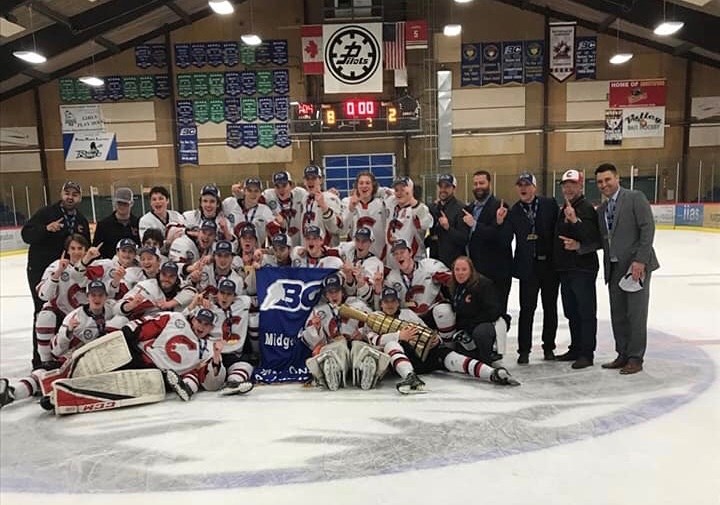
[356, 115]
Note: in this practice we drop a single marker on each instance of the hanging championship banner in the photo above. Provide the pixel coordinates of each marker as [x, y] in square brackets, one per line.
[249, 135]
[201, 111]
[265, 108]
[85, 146]
[281, 108]
[281, 81]
[645, 93]
[147, 86]
[143, 56]
[232, 110]
[534, 55]
[232, 83]
[643, 122]
[216, 84]
[200, 84]
[264, 84]
[188, 145]
[282, 135]
[248, 82]
[214, 53]
[182, 55]
[312, 53]
[585, 57]
[353, 55]
[114, 87]
[131, 87]
[67, 89]
[198, 54]
[286, 297]
[185, 85]
[416, 34]
[266, 135]
[490, 68]
[279, 52]
[81, 118]
[82, 92]
[249, 109]
[470, 65]
[231, 54]
[512, 62]
[185, 113]
[158, 55]
[233, 136]
[162, 86]
[613, 127]
[247, 55]
[217, 110]
[262, 53]
[98, 93]
[562, 50]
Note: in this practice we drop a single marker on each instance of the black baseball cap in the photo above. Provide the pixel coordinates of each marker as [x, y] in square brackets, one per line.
[248, 230]
[399, 244]
[312, 230]
[223, 247]
[205, 315]
[404, 180]
[527, 178]
[151, 250]
[170, 266]
[209, 224]
[97, 285]
[227, 286]
[126, 243]
[447, 179]
[332, 283]
[364, 233]
[389, 293]
[280, 240]
[210, 189]
[281, 178]
[253, 181]
[312, 171]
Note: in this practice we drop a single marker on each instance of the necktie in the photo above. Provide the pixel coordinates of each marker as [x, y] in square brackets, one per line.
[610, 213]
[477, 210]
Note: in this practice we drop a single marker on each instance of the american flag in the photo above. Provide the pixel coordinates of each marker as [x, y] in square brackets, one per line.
[394, 45]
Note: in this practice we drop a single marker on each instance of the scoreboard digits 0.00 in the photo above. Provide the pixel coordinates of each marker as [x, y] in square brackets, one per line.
[357, 115]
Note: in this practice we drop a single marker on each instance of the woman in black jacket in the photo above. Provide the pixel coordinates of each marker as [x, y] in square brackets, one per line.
[478, 315]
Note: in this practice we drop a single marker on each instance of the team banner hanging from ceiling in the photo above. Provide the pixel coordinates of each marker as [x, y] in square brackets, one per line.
[562, 50]
[353, 56]
[613, 127]
[585, 57]
[643, 106]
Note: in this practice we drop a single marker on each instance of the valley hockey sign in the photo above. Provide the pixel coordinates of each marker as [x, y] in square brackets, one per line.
[353, 58]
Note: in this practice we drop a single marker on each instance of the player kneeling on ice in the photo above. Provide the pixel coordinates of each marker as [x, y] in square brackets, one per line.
[328, 334]
[404, 336]
[80, 326]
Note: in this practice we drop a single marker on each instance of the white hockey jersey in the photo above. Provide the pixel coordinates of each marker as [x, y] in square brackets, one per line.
[133, 275]
[370, 265]
[68, 293]
[407, 223]
[185, 250]
[379, 340]
[329, 259]
[232, 324]
[153, 294]
[194, 218]
[332, 325]
[291, 211]
[209, 280]
[420, 291]
[332, 225]
[89, 328]
[260, 216]
[150, 220]
[371, 215]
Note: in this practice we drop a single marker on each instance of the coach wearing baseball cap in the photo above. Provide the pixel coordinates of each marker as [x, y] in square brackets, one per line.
[449, 234]
[122, 223]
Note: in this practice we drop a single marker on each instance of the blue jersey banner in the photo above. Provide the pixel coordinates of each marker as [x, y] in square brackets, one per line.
[286, 297]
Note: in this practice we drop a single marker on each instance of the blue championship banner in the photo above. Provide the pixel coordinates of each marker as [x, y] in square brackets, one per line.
[286, 296]
[470, 65]
[512, 62]
[491, 66]
[534, 57]
[231, 54]
[585, 57]
[182, 55]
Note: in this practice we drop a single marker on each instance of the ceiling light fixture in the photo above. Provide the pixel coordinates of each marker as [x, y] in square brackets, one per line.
[31, 56]
[452, 30]
[91, 80]
[667, 27]
[252, 38]
[222, 7]
[620, 57]
[463, 1]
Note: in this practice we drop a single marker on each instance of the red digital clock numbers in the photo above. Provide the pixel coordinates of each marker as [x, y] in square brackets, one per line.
[360, 109]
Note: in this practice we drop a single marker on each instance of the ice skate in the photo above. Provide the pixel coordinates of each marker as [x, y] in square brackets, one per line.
[411, 385]
[367, 369]
[7, 393]
[332, 371]
[502, 377]
[233, 387]
[178, 385]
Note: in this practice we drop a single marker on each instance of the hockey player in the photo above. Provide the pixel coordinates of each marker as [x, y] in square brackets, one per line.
[63, 289]
[279, 254]
[360, 265]
[329, 335]
[321, 208]
[162, 293]
[125, 269]
[406, 219]
[249, 210]
[231, 324]
[315, 254]
[419, 283]
[150, 260]
[366, 208]
[169, 222]
[285, 202]
[207, 278]
[188, 249]
[407, 364]
[210, 210]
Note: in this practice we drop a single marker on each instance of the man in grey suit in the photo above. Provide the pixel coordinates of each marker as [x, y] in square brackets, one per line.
[627, 228]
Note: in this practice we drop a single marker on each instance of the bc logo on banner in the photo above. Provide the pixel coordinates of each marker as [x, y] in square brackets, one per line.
[286, 296]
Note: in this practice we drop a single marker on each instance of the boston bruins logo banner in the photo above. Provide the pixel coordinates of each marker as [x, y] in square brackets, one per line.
[353, 58]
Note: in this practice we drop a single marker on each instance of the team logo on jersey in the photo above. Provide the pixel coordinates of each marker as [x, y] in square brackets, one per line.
[87, 334]
[272, 204]
[204, 277]
[352, 54]
[64, 276]
[291, 295]
[179, 323]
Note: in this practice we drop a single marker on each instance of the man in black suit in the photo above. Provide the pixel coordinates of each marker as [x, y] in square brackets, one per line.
[449, 235]
[490, 236]
[533, 220]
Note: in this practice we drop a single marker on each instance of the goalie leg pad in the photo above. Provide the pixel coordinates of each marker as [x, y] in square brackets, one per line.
[107, 391]
[360, 354]
[102, 355]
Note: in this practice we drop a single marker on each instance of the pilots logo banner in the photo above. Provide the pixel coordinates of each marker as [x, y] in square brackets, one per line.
[353, 58]
[286, 297]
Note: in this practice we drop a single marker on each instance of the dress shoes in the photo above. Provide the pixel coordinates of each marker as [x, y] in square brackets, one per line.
[548, 355]
[618, 362]
[523, 358]
[568, 356]
[632, 366]
[581, 363]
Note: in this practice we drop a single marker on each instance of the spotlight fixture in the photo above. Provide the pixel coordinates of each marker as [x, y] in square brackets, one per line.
[452, 30]
[30, 56]
[251, 39]
[620, 58]
[222, 7]
[91, 80]
[668, 28]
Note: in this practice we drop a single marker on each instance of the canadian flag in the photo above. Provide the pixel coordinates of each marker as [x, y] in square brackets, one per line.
[312, 49]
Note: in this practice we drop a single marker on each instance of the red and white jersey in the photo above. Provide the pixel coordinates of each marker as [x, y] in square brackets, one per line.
[330, 221]
[232, 324]
[194, 218]
[185, 250]
[150, 289]
[330, 258]
[90, 326]
[291, 211]
[371, 215]
[420, 291]
[332, 325]
[150, 220]
[210, 279]
[370, 265]
[133, 275]
[403, 314]
[259, 216]
[68, 293]
[407, 223]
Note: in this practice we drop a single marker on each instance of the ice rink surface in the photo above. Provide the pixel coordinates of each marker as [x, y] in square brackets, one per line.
[565, 437]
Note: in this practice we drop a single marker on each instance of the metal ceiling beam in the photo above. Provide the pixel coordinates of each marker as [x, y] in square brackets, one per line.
[605, 23]
[49, 13]
[36, 74]
[107, 44]
[9, 5]
[179, 12]
[683, 48]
